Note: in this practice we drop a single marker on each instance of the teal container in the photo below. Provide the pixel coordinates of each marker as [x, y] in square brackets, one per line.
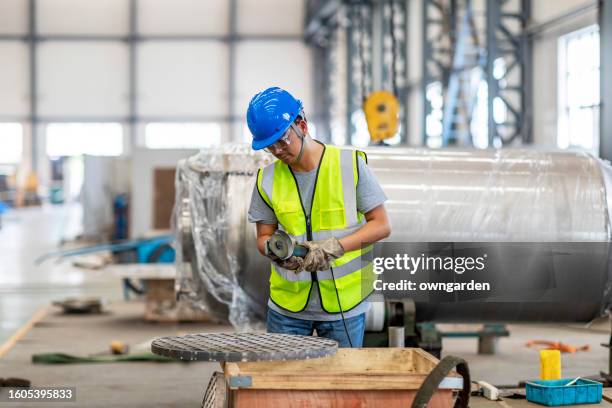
[555, 393]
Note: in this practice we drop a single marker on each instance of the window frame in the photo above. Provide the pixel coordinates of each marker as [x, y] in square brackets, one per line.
[565, 106]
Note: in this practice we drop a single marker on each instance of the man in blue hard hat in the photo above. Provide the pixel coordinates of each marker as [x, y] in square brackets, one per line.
[326, 199]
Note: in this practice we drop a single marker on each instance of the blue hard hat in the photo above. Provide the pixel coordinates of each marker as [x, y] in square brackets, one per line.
[270, 114]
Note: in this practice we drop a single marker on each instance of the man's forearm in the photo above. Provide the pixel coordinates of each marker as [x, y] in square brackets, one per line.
[261, 242]
[264, 232]
[372, 231]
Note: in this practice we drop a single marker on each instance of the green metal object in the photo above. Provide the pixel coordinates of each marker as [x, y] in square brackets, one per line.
[497, 330]
[62, 358]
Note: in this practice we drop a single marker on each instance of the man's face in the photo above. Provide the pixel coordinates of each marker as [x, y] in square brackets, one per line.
[287, 148]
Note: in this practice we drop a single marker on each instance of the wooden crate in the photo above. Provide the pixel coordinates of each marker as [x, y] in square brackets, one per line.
[372, 377]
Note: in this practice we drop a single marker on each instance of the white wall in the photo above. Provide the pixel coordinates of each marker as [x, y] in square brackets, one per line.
[183, 17]
[14, 78]
[83, 79]
[177, 80]
[82, 17]
[261, 64]
[13, 16]
[182, 79]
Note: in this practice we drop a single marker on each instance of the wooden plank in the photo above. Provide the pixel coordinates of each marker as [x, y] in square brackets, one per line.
[349, 369]
[338, 382]
[345, 361]
[333, 399]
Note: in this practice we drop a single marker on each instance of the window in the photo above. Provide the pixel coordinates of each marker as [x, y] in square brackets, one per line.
[182, 135]
[578, 100]
[11, 143]
[361, 136]
[479, 126]
[75, 139]
[433, 120]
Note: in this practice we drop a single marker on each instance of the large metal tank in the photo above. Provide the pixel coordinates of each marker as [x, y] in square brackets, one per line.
[510, 195]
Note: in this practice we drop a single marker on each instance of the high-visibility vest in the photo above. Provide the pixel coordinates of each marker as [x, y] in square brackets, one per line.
[333, 213]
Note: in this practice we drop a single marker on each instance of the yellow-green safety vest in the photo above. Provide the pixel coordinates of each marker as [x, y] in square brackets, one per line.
[333, 214]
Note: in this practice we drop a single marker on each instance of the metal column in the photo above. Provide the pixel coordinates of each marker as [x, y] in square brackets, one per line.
[509, 71]
[132, 80]
[352, 71]
[231, 86]
[321, 29]
[34, 131]
[358, 59]
[395, 56]
[438, 33]
[466, 73]
[605, 112]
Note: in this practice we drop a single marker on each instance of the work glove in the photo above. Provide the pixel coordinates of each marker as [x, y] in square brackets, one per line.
[293, 263]
[321, 254]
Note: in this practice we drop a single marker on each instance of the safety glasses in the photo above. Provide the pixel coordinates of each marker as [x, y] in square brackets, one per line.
[280, 144]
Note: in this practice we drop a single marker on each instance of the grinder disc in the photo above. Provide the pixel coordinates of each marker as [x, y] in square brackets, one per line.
[281, 245]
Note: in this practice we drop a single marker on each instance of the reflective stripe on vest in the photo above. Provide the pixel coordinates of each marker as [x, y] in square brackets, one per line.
[333, 214]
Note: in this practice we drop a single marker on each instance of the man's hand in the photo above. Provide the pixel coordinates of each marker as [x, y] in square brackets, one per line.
[321, 254]
[293, 264]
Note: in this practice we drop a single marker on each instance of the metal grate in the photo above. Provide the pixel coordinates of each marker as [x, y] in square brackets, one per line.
[216, 392]
[243, 347]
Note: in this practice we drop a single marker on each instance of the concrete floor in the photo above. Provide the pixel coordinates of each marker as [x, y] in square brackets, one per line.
[133, 384]
[24, 288]
[515, 362]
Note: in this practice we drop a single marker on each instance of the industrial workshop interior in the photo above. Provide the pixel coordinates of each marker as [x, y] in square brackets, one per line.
[305, 203]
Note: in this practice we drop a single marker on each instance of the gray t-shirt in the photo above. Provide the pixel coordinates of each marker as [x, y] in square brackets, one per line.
[369, 196]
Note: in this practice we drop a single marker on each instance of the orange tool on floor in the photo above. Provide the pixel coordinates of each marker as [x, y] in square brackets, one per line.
[557, 345]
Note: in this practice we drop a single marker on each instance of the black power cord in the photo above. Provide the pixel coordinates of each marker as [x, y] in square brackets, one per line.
[348, 336]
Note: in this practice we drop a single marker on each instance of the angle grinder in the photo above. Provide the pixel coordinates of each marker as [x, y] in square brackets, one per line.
[284, 246]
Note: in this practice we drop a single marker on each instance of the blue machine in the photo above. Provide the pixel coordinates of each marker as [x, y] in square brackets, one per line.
[152, 250]
[3, 208]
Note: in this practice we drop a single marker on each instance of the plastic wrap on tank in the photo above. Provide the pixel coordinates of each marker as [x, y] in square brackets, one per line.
[208, 187]
[509, 195]
[606, 171]
[443, 195]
